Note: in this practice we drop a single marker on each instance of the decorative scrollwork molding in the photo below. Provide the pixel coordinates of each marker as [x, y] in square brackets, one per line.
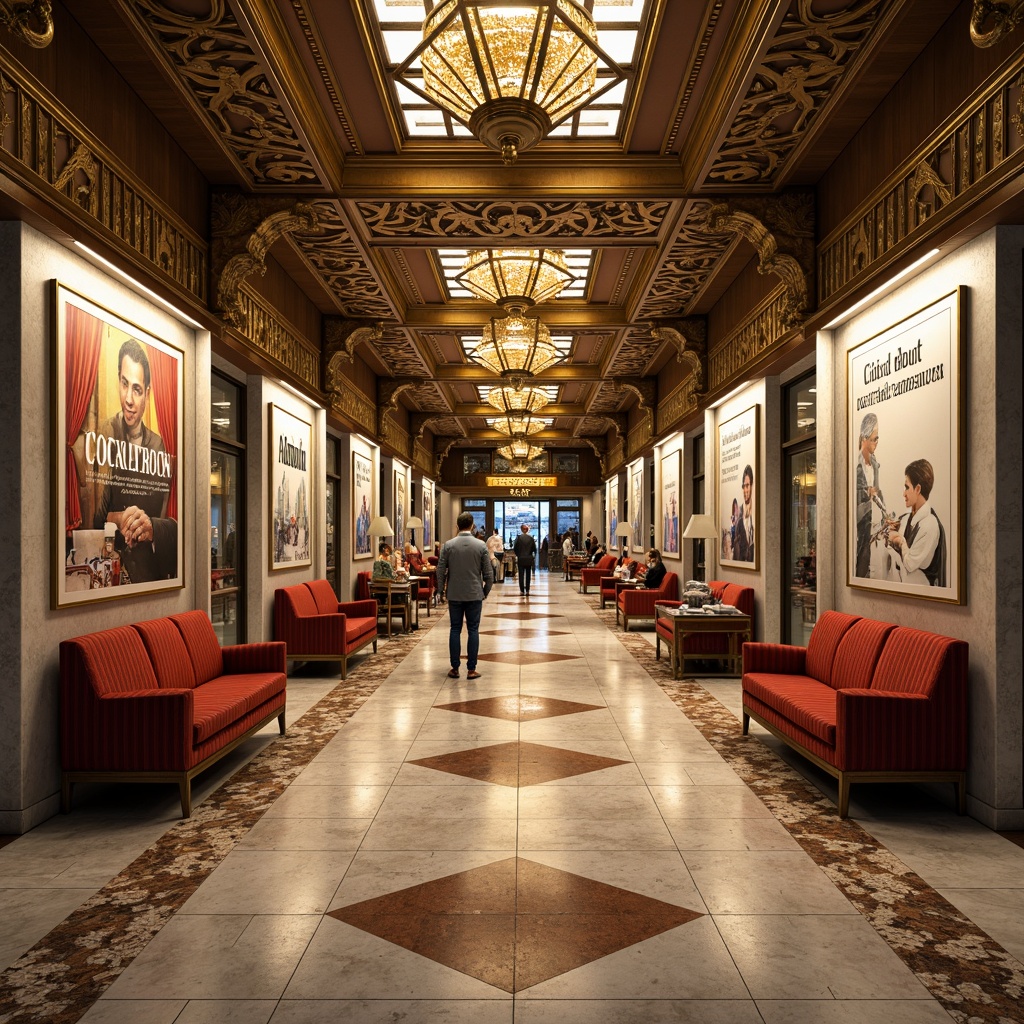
[511, 220]
[244, 230]
[619, 422]
[599, 446]
[389, 390]
[765, 327]
[773, 226]
[342, 336]
[230, 87]
[442, 446]
[690, 339]
[418, 422]
[1003, 18]
[30, 21]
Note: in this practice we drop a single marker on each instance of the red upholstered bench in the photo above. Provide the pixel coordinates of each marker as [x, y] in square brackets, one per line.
[317, 627]
[866, 701]
[161, 701]
[592, 575]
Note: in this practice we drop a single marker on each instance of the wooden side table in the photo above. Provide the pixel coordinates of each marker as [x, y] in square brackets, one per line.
[686, 624]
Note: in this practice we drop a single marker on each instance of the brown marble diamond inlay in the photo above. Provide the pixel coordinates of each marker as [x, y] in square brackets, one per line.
[523, 633]
[519, 707]
[526, 657]
[514, 923]
[522, 616]
[517, 764]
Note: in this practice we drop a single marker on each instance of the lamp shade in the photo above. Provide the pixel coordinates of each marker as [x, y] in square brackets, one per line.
[380, 527]
[700, 527]
[624, 530]
[413, 523]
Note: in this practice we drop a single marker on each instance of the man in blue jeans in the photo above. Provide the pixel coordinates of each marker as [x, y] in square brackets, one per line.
[464, 573]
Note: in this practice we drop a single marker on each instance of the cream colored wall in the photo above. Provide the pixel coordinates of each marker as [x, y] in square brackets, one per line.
[29, 630]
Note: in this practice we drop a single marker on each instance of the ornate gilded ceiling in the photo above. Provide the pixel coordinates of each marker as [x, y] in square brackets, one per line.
[734, 111]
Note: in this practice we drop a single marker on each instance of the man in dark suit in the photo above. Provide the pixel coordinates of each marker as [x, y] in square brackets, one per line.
[525, 548]
[464, 572]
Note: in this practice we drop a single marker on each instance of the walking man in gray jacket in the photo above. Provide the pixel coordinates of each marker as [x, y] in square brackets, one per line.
[464, 571]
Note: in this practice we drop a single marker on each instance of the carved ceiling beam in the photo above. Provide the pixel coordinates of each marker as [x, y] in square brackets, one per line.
[468, 373]
[781, 230]
[469, 317]
[428, 175]
[389, 390]
[418, 422]
[245, 229]
[619, 422]
[689, 337]
[599, 446]
[442, 446]
[1002, 19]
[31, 21]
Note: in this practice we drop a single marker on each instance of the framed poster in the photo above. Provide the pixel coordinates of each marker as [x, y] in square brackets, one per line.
[428, 516]
[477, 462]
[117, 453]
[362, 503]
[398, 541]
[566, 463]
[614, 543]
[291, 441]
[636, 506]
[904, 483]
[670, 506]
[737, 490]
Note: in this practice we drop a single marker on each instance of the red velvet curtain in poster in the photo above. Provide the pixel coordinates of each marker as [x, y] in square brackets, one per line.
[83, 336]
[164, 382]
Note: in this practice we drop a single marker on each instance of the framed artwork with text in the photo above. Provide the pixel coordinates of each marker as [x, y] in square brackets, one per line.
[738, 481]
[362, 504]
[290, 521]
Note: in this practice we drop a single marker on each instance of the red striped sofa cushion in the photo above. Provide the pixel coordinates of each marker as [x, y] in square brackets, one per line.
[825, 637]
[115, 660]
[168, 653]
[857, 654]
[323, 595]
[201, 641]
[912, 661]
[222, 701]
[798, 699]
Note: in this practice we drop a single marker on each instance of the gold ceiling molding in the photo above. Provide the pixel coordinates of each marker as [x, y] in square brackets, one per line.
[1002, 18]
[766, 326]
[230, 87]
[30, 21]
[964, 160]
[45, 149]
[689, 337]
[689, 264]
[683, 402]
[389, 390]
[796, 79]
[418, 422]
[315, 44]
[266, 331]
[712, 12]
[599, 446]
[442, 446]
[781, 230]
[440, 222]
[351, 404]
[332, 256]
[244, 228]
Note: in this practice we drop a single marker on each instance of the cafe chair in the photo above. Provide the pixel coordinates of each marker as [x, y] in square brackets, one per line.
[391, 602]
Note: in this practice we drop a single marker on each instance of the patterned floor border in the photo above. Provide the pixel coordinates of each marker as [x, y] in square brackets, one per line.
[969, 973]
[60, 977]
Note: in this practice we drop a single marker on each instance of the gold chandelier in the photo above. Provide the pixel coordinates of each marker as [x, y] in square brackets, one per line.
[515, 279]
[517, 426]
[519, 450]
[512, 401]
[516, 347]
[509, 71]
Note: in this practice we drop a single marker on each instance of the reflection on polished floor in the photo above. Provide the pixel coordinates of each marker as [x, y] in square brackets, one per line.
[572, 837]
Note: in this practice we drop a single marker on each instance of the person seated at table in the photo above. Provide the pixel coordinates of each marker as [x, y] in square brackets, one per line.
[414, 559]
[655, 570]
[599, 552]
[382, 567]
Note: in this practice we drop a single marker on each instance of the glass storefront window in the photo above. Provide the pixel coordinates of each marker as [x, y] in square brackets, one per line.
[801, 476]
[227, 502]
[332, 492]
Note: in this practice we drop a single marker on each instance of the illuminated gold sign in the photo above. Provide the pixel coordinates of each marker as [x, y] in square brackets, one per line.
[521, 481]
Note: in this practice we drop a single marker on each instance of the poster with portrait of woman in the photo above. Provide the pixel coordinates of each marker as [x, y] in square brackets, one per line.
[362, 504]
[117, 454]
[400, 506]
[670, 506]
[904, 480]
[291, 442]
[613, 512]
[428, 516]
[636, 505]
[738, 490]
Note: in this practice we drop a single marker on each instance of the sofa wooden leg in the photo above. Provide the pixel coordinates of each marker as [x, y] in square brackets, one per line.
[65, 794]
[374, 645]
[746, 724]
[657, 647]
[844, 795]
[280, 723]
[185, 789]
[344, 667]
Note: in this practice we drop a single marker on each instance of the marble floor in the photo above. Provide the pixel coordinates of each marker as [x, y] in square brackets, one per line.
[571, 838]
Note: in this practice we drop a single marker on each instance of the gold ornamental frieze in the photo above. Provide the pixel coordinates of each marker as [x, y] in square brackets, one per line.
[767, 325]
[800, 75]
[677, 406]
[353, 405]
[965, 159]
[267, 332]
[436, 223]
[635, 352]
[49, 153]
[31, 21]
[230, 87]
[422, 459]
[333, 256]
